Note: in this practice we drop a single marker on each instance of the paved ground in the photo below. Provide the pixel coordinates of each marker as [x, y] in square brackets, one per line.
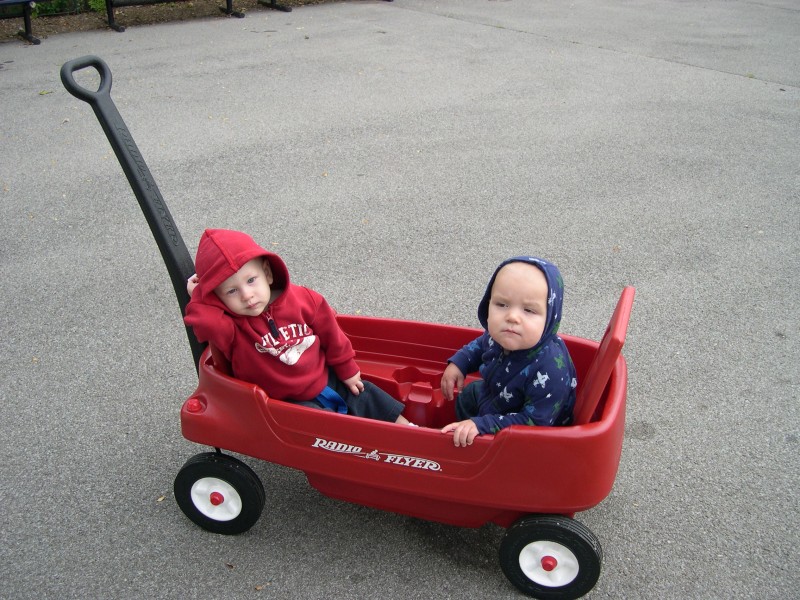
[394, 154]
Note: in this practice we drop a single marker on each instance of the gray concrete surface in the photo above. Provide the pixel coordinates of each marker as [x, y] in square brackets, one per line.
[394, 154]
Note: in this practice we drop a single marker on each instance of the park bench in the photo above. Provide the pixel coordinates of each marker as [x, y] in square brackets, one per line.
[26, 6]
[228, 9]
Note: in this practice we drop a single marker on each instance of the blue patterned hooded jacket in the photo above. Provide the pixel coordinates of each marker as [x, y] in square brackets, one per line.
[524, 387]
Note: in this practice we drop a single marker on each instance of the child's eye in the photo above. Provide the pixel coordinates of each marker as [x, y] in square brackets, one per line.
[231, 291]
[251, 280]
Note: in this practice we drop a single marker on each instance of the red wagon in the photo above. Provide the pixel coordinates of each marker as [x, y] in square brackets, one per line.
[413, 471]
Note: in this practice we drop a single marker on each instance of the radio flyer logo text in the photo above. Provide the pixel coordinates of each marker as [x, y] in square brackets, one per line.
[396, 459]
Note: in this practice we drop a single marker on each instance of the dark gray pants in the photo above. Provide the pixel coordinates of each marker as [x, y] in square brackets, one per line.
[372, 403]
[467, 401]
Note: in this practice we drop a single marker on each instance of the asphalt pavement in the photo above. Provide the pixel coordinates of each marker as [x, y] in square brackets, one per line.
[394, 154]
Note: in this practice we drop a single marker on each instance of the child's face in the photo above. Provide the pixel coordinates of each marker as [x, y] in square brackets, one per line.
[518, 306]
[247, 291]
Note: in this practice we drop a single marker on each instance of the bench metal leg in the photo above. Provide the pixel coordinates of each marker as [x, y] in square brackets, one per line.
[28, 33]
[110, 14]
[275, 5]
[228, 10]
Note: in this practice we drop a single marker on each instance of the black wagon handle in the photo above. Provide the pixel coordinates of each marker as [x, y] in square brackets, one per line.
[80, 92]
[173, 249]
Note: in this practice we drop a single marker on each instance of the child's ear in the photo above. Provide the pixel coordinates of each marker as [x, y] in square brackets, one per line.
[267, 270]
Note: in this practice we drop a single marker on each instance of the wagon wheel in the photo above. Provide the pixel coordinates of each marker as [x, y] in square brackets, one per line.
[219, 493]
[551, 557]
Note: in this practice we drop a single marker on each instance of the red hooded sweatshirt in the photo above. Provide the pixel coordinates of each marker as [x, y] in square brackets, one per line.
[292, 365]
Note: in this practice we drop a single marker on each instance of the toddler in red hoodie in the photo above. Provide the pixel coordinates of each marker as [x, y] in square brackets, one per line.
[280, 336]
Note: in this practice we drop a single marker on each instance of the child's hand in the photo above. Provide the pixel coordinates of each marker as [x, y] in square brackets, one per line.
[452, 379]
[464, 432]
[191, 283]
[354, 384]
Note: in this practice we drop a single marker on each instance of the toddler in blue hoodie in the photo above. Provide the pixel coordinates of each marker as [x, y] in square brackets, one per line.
[527, 375]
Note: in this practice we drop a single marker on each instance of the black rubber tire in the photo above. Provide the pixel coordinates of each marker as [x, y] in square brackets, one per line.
[210, 472]
[578, 549]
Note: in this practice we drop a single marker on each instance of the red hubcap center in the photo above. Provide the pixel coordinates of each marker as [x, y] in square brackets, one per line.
[217, 498]
[549, 563]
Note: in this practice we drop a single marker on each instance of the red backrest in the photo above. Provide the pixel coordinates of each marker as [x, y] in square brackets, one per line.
[593, 383]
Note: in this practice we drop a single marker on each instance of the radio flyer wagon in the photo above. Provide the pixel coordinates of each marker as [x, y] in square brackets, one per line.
[418, 472]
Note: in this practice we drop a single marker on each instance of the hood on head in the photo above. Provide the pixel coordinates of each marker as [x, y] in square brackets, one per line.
[555, 295]
[222, 252]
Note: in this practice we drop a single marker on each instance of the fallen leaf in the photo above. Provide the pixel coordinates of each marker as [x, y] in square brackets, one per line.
[229, 565]
[160, 498]
[45, 92]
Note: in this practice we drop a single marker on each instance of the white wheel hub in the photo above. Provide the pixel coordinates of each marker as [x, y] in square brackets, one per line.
[216, 499]
[549, 563]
